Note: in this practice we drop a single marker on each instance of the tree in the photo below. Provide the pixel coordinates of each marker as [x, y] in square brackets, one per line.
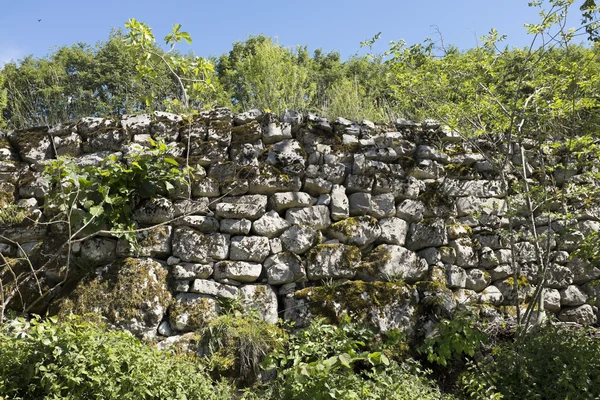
[529, 113]
[190, 73]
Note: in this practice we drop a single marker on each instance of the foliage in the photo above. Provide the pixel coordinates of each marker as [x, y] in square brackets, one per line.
[549, 363]
[76, 360]
[104, 196]
[190, 73]
[453, 339]
[12, 214]
[2, 99]
[235, 344]
[325, 361]
[78, 81]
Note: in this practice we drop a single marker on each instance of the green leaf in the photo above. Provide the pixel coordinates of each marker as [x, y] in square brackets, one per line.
[171, 161]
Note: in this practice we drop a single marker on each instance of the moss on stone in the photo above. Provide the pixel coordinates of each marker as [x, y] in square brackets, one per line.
[356, 298]
[371, 265]
[121, 292]
[198, 313]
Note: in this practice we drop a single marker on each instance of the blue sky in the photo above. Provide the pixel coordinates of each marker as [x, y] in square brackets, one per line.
[214, 26]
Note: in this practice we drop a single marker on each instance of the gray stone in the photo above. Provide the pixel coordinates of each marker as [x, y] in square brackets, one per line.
[191, 271]
[525, 252]
[479, 188]
[356, 231]
[207, 187]
[456, 277]
[360, 203]
[68, 145]
[270, 225]
[37, 187]
[192, 246]
[428, 152]
[410, 210]
[201, 223]
[284, 268]
[276, 246]
[559, 277]
[240, 271]
[466, 256]
[491, 295]
[239, 211]
[285, 153]
[99, 250]
[382, 205]
[282, 201]
[249, 248]
[552, 300]
[136, 124]
[212, 288]
[390, 262]
[428, 233]
[501, 272]
[339, 203]
[488, 258]
[316, 216]
[334, 261]
[431, 255]
[393, 231]
[300, 238]
[191, 207]
[572, 296]
[235, 226]
[359, 183]
[477, 279]
[248, 116]
[261, 299]
[317, 186]
[480, 206]
[582, 315]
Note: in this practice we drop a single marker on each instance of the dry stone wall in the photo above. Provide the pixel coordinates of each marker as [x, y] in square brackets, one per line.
[286, 213]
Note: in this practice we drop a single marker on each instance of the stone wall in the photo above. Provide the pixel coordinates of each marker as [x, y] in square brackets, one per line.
[297, 216]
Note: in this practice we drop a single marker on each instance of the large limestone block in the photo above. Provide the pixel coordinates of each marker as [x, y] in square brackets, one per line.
[284, 268]
[240, 271]
[333, 261]
[382, 205]
[33, 145]
[212, 288]
[249, 248]
[427, 233]
[356, 231]
[582, 315]
[270, 225]
[572, 296]
[131, 294]
[235, 226]
[261, 299]
[390, 262]
[315, 216]
[99, 250]
[282, 201]
[393, 231]
[300, 238]
[239, 211]
[192, 246]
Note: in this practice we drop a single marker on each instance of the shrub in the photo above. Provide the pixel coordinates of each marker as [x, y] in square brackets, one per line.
[550, 363]
[74, 359]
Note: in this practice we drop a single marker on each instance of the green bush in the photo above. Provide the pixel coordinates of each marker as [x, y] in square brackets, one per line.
[73, 359]
[550, 363]
[325, 361]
